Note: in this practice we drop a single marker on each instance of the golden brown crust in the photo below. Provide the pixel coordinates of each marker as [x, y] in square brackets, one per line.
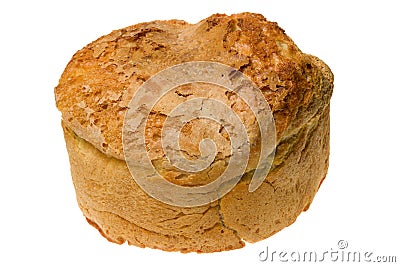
[98, 83]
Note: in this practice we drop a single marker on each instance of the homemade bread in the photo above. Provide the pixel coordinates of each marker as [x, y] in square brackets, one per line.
[93, 96]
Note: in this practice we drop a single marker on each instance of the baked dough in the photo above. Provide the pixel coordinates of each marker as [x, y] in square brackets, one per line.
[93, 95]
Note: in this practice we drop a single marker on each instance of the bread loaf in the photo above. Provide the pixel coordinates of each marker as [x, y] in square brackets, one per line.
[94, 94]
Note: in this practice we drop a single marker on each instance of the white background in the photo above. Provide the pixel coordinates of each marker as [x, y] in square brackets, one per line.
[41, 224]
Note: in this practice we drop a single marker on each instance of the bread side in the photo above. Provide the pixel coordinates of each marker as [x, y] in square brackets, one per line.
[112, 202]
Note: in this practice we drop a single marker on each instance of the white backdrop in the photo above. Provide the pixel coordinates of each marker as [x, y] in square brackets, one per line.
[41, 224]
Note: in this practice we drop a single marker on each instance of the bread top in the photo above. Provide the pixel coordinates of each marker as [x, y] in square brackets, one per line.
[98, 83]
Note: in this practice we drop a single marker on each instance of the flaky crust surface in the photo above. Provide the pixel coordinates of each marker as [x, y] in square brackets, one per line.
[93, 95]
[95, 89]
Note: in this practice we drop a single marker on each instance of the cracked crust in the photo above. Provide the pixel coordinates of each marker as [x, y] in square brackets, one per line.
[98, 83]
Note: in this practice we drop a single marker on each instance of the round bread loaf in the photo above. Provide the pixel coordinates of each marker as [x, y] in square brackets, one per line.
[93, 96]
